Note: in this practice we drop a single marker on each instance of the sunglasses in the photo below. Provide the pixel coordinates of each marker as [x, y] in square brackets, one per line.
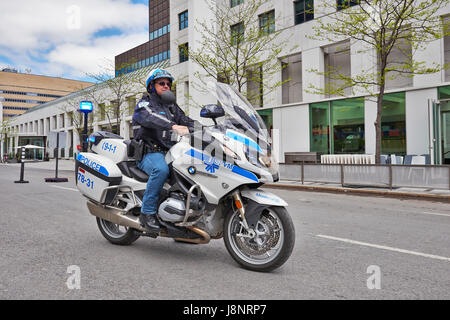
[163, 83]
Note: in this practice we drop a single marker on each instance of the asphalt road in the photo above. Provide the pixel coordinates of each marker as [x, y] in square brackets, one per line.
[347, 247]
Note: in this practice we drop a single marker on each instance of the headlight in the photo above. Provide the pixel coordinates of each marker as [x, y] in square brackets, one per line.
[230, 153]
[256, 158]
[265, 160]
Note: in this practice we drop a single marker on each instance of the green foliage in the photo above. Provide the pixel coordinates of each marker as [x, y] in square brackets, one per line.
[379, 27]
[234, 44]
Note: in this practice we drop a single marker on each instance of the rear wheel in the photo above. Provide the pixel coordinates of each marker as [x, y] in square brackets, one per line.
[117, 234]
[269, 247]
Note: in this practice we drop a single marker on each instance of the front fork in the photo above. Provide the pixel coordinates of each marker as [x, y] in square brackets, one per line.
[240, 206]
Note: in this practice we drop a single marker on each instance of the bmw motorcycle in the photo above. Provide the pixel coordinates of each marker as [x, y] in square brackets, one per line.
[212, 191]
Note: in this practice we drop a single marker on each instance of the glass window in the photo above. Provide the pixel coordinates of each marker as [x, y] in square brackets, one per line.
[348, 126]
[337, 127]
[304, 11]
[183, 20]
[267, 116]
[393, 124]
[237, 33]
[267, 22]
[234, 3]
[344, 4]
[444, 93]
[320, 127]
[184, 53]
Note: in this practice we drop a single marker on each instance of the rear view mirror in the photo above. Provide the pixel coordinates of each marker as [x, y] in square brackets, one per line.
[212, 111]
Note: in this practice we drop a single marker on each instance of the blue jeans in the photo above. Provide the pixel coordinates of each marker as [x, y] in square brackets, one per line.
[153, 164]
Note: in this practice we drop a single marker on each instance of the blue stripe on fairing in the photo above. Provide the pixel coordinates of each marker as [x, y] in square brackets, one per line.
[245, 173]
[93, 165]
[198, 155]
[238, 170]
[244, 140]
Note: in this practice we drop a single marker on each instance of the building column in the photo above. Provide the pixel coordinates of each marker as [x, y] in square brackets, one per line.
[46, 126]
[76, 140]
[67, 148]
[16, 144]
[125, 129]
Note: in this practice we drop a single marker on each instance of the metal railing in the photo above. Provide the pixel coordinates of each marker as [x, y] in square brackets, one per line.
[376, 175]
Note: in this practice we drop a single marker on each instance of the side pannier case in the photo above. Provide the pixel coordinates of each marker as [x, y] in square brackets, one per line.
[96, 177]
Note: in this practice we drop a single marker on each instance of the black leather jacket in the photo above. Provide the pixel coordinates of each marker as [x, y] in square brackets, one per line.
[152, 121]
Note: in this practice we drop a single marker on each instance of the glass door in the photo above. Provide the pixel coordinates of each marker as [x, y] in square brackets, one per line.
[445, 136]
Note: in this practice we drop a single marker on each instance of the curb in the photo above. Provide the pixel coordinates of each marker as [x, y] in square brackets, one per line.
[388, 194]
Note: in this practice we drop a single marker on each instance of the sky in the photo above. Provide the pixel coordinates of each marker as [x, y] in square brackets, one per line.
[69, 38]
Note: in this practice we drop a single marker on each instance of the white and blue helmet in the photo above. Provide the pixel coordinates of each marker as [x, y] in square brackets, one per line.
[157, 74]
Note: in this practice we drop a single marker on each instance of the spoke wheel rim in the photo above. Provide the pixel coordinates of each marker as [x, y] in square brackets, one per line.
[267, 243]
[113, 230]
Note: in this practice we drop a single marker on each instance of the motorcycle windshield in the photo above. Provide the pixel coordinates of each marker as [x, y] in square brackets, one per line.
[240, 115]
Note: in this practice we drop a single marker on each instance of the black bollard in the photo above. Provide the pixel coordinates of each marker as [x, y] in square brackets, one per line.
[56, 179]
[22, 168]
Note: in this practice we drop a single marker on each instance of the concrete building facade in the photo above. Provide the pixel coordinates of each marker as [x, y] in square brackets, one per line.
[24, 91]
[416, 120]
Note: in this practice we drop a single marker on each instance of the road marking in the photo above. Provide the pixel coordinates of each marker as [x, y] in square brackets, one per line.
[436, 214]
[72, 189]
[426, 255]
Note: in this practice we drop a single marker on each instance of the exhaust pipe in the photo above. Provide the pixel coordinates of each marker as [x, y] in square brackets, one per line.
[114, 216]
[205, 237]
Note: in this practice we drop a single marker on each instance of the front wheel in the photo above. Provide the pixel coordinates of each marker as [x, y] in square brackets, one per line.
[271, 245]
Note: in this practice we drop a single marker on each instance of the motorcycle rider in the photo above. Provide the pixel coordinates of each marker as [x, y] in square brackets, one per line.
[155, 115]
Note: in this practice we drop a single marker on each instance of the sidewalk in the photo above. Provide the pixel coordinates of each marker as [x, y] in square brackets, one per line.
[63, 165]
[402, 193]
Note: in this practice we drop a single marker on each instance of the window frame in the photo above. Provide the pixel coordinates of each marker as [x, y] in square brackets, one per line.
[345, 4]
[236, 37]
[303, 13]
[183, 51]
[183, 20]
[235, 3]
[267, 26]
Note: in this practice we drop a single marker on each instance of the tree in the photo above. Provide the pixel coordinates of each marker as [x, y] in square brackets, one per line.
[4, 130]
[238, 47]
[73, 104]
[380, 26]
[119, 88]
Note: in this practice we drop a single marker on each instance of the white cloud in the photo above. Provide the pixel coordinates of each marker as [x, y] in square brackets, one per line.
[58, 35]
[93, 58]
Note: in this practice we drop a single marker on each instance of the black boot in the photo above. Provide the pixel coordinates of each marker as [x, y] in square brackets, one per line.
[150, 222]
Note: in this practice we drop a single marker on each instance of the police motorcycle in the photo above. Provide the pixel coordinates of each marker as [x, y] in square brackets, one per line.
[212, 191]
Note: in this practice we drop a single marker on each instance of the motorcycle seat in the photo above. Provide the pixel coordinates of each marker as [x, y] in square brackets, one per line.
[131, 170]
[138, 174]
